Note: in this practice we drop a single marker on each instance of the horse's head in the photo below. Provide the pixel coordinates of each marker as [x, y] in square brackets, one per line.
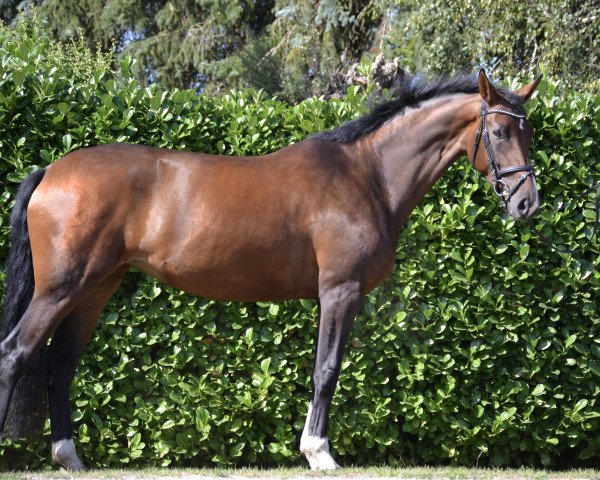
[499, 148]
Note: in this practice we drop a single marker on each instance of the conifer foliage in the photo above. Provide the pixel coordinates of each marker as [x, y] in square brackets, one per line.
[298, 48]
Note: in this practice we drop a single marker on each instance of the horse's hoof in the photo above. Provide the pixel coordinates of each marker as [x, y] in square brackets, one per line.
[322, 461]
[63, 454]
[316, 451]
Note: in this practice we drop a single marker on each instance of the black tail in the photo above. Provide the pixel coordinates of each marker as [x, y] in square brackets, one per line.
[28, 407]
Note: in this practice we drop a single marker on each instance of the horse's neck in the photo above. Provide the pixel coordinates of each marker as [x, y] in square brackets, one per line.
[416, 148]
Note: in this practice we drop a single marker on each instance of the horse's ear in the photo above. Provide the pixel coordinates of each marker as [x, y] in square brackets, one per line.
[526, 91]
[486, 88]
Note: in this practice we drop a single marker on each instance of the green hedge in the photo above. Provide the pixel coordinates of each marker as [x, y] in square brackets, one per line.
[483, 347]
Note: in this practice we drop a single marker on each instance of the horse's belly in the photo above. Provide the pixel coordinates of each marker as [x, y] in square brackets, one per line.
[252, 276]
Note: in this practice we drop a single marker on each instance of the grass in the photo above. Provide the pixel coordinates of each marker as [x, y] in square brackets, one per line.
[303, 473]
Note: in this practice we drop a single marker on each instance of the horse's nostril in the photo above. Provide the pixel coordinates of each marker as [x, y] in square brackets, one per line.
[523, 206]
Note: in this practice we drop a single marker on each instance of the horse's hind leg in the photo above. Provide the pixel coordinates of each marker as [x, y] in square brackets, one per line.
[65, 350]
[19, 349]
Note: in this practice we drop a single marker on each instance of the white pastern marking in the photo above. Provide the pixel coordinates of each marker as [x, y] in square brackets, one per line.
[64, 454]
[316, 449]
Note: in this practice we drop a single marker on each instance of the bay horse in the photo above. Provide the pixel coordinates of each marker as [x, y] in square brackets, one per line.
[319, 219]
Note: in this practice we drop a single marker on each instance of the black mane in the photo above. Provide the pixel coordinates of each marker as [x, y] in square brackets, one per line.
[410, 92]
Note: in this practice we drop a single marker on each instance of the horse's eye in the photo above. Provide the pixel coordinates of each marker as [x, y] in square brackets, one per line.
[497, 133]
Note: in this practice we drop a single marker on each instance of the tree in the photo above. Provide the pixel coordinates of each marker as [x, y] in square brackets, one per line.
[507, 37]
[299, 48]
[310, 45]
[291, 48]
[178, 44]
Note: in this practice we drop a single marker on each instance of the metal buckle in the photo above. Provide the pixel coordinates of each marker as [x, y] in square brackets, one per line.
[504, 188]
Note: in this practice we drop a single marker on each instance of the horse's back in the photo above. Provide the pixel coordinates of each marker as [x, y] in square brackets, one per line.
[238, 228]
[223, 227]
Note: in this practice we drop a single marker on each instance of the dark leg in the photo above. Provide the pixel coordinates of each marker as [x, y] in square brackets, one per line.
[65, 350]
[9, 374]
[22, 344]
[339, 305]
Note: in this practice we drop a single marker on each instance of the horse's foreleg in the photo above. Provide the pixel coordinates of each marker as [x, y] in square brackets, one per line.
[339, 305]
[65, 350]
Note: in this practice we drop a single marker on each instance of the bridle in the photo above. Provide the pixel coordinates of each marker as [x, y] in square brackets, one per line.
[500, 188]
[505, 193]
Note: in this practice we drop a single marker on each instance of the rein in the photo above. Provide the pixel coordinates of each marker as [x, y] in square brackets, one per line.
[500, 188]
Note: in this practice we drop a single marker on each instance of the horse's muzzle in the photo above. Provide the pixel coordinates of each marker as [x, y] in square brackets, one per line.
[524, 206]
